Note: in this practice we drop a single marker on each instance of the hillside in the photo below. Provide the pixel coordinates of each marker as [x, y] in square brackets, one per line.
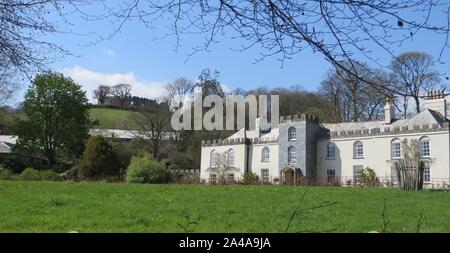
[110, 118]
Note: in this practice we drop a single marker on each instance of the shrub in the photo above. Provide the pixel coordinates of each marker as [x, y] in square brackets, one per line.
[98, 160]
[69, 174]
[30, 174]
[34, 174]
[369, 177]
[48, 175]
[123, 156]
[143, 169]
[6, 174]
[250, 178]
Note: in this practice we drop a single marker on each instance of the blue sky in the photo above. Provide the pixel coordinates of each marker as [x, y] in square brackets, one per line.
[134, 56]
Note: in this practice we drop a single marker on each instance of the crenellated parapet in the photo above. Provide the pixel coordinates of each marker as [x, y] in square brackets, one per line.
[388, 130]
[238, 141]
[221, 142]
[297, 118]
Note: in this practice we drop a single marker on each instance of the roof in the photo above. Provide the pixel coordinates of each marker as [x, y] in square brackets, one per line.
[121, 134]
[425, 117]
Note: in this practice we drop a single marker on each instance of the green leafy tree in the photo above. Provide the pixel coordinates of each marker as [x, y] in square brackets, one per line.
[98, 160]
[57, 119]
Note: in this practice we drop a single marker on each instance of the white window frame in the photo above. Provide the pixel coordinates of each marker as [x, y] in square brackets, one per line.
[396, 149]
[357, 169]
[230, 157]
[292, 156]
[265, 154]
[427, 174]
[292, 134]
[358, 149]
[213, 158]
[424, 144]
[331, 173]
[331, 150]
[212, 178]
[265, 176]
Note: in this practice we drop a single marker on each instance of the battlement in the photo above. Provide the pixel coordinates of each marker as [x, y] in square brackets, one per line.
[388, 130]
[238, 141]
[297, 118]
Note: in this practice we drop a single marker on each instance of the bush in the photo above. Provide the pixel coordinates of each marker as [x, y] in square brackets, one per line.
[98, 160]
[34, 174]
[48, 175]
[143, 169]
[250, 178]
[6, 174]
[30, 174]
[69, 174]
[369, 177]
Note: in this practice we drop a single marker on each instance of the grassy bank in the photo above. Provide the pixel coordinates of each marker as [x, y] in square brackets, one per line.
[110, 118]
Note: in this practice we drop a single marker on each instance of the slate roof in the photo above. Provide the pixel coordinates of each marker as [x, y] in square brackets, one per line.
[425, 117]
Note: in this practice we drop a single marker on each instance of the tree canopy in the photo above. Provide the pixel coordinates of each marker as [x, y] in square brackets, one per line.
[57, 119]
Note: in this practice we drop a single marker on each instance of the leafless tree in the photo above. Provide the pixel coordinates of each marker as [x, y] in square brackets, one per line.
[101, 93]
[352, 98]
[24, 26]
[413, 75]
[121, 92]
[339, 30]
[9, 83]
[152, 123]
[178, 90]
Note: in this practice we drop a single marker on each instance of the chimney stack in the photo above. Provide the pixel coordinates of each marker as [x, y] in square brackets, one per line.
[435, 100]
[389, 111]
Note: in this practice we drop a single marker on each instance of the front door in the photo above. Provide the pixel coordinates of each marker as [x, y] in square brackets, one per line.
[288, 177]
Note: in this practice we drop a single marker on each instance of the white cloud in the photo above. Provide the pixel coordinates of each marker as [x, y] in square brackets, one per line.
[110, 52]
[90, 80]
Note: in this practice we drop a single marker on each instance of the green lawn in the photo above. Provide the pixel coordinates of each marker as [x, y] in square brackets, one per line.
[106, 207]
[110, 118]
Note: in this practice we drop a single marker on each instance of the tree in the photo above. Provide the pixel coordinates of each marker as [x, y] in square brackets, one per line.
[122, 92]
[409, 169]
[178, 91]
[413, 74]
[209, 83]
[8, 82]
[57, 118]
[98, 160]
[339, 30]
[152, 123]
[101, 93]
[351, 98]
[222, 168]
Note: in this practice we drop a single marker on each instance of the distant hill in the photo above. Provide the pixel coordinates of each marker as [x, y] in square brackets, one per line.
[110, 118]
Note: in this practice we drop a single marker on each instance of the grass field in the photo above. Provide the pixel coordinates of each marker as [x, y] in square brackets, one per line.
[106, 207]
[110, 118]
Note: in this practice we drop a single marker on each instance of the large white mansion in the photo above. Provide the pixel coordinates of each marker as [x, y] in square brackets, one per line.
[301, 146]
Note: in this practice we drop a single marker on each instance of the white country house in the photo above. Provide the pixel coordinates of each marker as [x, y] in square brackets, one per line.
[301, 146]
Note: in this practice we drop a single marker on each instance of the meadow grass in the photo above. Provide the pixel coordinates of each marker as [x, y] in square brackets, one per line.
[27, 206]
[110, 118]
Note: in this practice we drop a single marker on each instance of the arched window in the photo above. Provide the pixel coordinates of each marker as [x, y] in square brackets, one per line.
[213, 158]
[230, 158]
[358, 149]
[331, 150]
[292, 155]
[424, 146]
[265, 156]
[396, 149]
[292, 134]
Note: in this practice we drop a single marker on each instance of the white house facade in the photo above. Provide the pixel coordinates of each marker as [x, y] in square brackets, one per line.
[302, 147]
